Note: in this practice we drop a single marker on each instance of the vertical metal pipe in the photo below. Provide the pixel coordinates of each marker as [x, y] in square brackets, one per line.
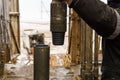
[41, 62]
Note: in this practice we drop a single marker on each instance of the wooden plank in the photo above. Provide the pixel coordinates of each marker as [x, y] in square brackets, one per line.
[88, 50]
[4, 47]
[96, 49]
[83, 57]
[14, 39]
[14, 27]
[75, 38]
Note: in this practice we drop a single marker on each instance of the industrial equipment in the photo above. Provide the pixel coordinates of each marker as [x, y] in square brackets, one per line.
[41, 62]
[58, 21]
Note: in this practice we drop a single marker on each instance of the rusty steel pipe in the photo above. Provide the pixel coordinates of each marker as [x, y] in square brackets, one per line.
[41, 62]
[58, 21]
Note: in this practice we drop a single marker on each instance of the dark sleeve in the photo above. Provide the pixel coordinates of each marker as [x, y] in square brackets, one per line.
[99, 16]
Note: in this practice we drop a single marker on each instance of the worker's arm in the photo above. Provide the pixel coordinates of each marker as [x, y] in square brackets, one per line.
[102, 18]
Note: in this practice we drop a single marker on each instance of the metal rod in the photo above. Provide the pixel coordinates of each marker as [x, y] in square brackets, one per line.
[41, 62]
